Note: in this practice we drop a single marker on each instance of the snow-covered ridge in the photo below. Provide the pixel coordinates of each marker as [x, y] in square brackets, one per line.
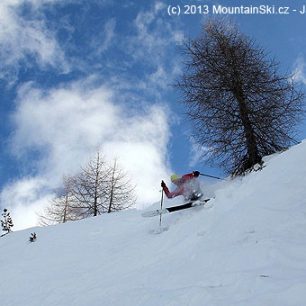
[248, 249]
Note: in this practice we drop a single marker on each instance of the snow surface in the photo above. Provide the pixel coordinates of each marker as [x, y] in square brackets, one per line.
[248, 248]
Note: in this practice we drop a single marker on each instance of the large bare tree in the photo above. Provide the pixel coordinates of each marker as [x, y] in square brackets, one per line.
[242, 108]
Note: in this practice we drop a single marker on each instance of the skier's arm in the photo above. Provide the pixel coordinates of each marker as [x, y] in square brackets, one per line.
[187, 176]
[190, 176]
[171, 194]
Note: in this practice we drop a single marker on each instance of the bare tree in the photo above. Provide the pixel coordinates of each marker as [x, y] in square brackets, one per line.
[120, 192]
[62, 208]
[90, 188]
[99, 188]
[241, 107]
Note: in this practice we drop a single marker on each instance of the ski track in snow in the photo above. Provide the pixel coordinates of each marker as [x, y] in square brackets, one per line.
[248, 248]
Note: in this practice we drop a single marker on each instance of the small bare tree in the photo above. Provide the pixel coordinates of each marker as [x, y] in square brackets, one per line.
[61, 208]
[241, 107]
[90, 188]
[120, 192]
[99, 188]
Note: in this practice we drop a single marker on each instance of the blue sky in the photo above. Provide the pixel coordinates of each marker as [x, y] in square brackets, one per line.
[80, 76]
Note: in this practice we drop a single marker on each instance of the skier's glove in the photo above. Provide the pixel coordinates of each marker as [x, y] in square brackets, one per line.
[163, 184]
[196, 173]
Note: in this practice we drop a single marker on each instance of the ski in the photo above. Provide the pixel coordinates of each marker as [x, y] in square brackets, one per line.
[186, 205]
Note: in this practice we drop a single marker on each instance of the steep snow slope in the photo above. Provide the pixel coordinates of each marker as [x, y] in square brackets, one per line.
[247, 249]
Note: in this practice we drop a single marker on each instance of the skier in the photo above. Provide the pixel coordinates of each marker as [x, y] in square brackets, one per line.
[187, 186]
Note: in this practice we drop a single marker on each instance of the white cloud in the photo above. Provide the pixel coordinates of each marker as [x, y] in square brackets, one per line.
[68, 124]
[299, 70]
[103, 41]
[197, 152]
[23, 199]
[141, 146]
[21, 38]
[154, 33]
[154, 44]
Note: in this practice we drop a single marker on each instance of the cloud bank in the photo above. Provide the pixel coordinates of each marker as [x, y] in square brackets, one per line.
[64, 127]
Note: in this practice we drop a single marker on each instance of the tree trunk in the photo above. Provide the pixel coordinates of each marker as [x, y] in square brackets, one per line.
[66, 208]
[112, 185]
[96, 187]
[252, 150]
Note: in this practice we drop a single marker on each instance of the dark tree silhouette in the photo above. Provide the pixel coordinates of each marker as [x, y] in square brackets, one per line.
[6, 222]
[241, 107]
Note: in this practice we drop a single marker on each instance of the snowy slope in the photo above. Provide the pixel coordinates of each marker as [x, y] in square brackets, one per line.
[249, 248]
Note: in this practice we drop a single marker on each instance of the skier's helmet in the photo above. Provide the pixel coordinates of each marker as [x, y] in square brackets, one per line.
[174, 177]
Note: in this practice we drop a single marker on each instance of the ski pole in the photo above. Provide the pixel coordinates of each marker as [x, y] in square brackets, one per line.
[216, 177]
[161, 207]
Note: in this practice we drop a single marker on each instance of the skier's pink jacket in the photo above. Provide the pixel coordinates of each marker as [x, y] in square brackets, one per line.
[181, 186]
